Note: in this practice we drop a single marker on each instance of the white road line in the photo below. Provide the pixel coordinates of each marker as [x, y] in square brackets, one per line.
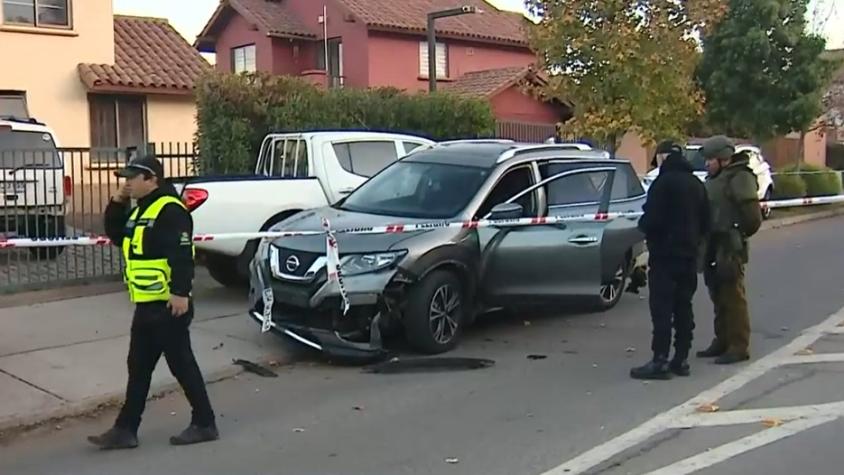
[836, 331]
[738, 447]
[750, 416]
[816, 358]
[600, 454]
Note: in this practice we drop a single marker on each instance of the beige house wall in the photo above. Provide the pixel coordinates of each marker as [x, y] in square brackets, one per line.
[43, 63]
[633, 148]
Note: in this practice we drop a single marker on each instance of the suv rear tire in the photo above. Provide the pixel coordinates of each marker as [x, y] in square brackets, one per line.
[435, 313]
[611, 292]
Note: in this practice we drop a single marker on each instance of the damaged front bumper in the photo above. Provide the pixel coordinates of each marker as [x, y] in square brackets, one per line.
[311, 312]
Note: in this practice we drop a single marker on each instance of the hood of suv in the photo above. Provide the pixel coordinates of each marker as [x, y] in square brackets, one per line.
[311, 220]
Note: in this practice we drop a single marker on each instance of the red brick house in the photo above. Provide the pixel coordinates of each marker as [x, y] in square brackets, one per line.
[372, 43]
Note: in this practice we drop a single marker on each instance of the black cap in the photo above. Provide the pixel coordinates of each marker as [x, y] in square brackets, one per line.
[668, 146]
[147, 165]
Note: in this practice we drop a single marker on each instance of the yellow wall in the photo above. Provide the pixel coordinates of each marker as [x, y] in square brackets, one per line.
[171, 118]
[43, 63]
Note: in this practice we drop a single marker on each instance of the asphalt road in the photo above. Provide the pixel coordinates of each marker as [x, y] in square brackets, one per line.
[520, 416]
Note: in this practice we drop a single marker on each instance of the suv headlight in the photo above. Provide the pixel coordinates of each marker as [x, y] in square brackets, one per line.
[372, 262]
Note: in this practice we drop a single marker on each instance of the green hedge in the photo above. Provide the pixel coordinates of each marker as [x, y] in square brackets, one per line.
[235, 112]
[788, 187]
[817, 181]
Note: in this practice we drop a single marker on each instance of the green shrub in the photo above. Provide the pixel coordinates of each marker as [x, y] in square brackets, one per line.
[788, 187]
[235, 112]
[820, 181]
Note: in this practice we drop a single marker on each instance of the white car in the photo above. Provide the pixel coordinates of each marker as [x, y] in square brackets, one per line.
[34, 187]
[757, 163]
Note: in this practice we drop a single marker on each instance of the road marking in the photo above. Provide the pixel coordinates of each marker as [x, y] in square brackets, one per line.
[738, 447]
[669, 419]
[815, 358]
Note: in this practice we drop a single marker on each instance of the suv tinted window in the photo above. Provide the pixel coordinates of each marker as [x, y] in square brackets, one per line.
[581, 188]
[625, 184]
[511, 184]
[27, 149]
[365, 158]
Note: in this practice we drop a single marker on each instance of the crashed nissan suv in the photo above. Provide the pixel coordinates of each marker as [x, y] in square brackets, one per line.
[431, 283]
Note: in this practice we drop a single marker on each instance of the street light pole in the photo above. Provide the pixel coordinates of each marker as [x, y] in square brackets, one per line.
[432, 39]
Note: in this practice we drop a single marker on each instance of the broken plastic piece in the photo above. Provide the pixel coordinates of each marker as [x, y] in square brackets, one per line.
[709, 407]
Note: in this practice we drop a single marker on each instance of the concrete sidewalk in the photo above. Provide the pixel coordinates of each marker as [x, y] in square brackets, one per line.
[68, 357]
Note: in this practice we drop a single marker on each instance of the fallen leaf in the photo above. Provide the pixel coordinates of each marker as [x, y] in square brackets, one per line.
[772, 422]
[630, 349]
[298, 430]
[218, 346]
[784, 329]
[173, 413]
[358, 408]
[273, 363]
[805, 352]
[58, 427]
[536, 357]
[709, 407]
[452, 460]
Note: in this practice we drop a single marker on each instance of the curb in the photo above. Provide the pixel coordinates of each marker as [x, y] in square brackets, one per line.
[803, 218]
[16, 425]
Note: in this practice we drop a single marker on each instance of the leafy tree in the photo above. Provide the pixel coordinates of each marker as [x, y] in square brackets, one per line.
[624, 64]
[762, 73]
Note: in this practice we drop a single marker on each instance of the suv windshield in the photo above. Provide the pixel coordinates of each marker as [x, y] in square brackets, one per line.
[27, 149]
[418, 190]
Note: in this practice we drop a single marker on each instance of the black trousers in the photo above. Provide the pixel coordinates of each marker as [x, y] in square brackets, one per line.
[155, 331]
[673, 282]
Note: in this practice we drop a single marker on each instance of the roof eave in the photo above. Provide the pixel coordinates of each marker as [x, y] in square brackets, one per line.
[450, 35]
[151, 90]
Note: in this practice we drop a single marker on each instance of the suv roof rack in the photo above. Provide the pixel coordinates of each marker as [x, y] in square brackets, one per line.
[476, 141]
[24, 120]
[549, 147]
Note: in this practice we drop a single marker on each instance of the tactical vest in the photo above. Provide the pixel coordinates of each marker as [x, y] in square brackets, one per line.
[148, 279]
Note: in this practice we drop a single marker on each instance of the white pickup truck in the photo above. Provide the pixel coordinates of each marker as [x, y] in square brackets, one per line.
[294, 172]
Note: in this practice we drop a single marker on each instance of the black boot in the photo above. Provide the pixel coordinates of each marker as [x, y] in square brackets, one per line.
[731, 358]
[115, 438]
[195, 434]
[713, 351]
[680, 367]
[654, 369]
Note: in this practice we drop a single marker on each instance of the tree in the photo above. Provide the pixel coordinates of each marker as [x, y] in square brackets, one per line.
[761, 71]
[624, 64]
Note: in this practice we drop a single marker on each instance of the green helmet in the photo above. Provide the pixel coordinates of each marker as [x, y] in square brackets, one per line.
[719, 146]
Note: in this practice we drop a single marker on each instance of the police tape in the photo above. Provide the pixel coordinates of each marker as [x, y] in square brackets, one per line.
[396, 228]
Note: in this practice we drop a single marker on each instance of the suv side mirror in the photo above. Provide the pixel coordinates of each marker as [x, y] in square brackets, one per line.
[507, 211]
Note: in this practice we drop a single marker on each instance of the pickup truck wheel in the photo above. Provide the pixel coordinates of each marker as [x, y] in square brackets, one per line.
[46, 228]
[434, 316]
[224, 270]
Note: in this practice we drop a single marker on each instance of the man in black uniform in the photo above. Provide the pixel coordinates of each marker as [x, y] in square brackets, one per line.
[157, 242]
[675, 223]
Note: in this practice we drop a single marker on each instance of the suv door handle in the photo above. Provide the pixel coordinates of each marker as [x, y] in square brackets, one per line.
[583, 240]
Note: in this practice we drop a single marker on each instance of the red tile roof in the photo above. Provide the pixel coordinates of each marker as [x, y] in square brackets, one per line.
[490, 82]
[490, 24]
[274, 18]
[150, 55]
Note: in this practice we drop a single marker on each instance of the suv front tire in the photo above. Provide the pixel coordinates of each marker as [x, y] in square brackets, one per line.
[435, 313]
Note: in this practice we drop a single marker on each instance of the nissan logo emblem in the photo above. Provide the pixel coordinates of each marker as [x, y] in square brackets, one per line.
[291, 264]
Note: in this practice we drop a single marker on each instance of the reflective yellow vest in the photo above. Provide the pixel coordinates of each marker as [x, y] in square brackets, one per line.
[148, 279]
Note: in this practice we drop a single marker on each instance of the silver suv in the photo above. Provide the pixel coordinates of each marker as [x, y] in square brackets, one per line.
[432, 283]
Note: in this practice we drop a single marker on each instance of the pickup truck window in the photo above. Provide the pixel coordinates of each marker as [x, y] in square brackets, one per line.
[411, 146]
[27, 149]
[365, 158]
[290, 159]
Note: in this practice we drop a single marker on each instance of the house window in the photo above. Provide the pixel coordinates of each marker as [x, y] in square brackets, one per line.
[442, 60]
[13, 103]
[243, 59]
[39, 13]
[117, 121]
[334, 71]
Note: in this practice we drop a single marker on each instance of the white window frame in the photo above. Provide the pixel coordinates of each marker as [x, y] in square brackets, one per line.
[244, 64]
[35, 23]
[442, 60]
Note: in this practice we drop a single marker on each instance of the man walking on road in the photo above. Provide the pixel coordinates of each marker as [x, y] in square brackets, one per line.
[736, 215]
[675, 221]
[157, 242]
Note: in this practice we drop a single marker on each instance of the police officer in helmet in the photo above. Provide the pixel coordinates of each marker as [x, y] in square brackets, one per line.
[157, 245]
[736, 215]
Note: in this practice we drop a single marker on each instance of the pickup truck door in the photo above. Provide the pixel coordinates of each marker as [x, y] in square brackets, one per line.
[349, 163]
[555, 260]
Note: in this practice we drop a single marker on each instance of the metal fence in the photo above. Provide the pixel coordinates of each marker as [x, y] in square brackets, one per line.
[64, 192]
[524, 132]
